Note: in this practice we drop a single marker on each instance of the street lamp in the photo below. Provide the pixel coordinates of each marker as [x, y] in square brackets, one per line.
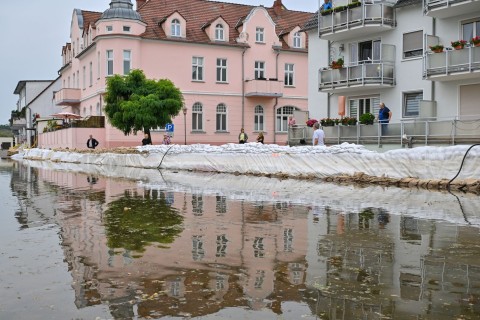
[184, 109]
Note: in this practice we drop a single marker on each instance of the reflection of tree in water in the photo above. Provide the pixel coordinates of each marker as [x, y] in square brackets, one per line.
[133, 222]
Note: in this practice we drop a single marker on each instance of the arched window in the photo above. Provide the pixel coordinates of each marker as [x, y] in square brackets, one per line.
[259, 119]
[282, 118]
[297, 40]
[91, 111]
[99, 112]
[221, 117]
[219, 33]
[176, 30]
[197, 117]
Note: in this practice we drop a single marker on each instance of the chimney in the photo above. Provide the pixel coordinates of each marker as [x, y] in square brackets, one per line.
[140, 3]
[278, 7]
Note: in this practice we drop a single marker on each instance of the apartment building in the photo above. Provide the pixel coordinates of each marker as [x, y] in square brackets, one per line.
[386, 55]
[238, 66]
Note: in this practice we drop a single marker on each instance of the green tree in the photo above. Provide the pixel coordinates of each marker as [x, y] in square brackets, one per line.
[135, 103]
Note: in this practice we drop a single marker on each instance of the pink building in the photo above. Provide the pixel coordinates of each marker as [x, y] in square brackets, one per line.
[238, 66]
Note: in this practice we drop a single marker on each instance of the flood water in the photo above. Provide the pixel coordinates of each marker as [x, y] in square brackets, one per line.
[91, 244]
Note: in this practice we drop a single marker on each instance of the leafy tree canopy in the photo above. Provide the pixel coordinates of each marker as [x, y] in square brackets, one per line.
[135, 103]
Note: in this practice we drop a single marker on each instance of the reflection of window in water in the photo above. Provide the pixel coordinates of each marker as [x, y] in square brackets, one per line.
[409, 229]
[221, 204]
[169, 198]
[220, 281]
[281, 205]
[258, 248]
[221, 245]
[197, 205]
[288, 240]
[296, 271]
[92, 179]
[197, 248]
[175, 287]
[259, 278]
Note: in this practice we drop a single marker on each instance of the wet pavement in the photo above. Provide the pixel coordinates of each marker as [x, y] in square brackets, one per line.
[81, 245]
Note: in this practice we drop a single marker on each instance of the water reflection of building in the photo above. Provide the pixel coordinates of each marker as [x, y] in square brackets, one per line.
[260, 255]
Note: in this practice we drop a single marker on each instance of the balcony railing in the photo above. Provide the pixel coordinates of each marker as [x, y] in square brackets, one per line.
[263, 88]
[449, 8]
[406, 133]
[351, 21]
[452, 64]
[67, 97]
[367, 75]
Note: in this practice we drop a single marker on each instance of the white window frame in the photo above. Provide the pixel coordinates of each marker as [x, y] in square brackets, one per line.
[176, 28]
[109, 59]
[411, 100]
[197, 69]
[221, 118]
[282, 115]
[415, 50]
[127, 61]
[475, 27]
[127, 29]
[259, 70]
[260, 35]
[197, 117]
[358, 106]
[221, 70]
[297, 40]
[289, 75]
[259, 118]
[219, 32]
[90, 82]
[108, 28]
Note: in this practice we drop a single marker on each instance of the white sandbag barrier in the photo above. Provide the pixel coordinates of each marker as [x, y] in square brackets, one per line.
[295, 162]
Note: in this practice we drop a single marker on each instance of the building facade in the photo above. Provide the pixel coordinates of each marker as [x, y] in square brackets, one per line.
[385, 48]
[237, 66]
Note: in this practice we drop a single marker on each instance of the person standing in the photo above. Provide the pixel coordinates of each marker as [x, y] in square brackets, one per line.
[327, 4]
[146, 140]
[92, 143]
[384, 117]
[318, 135]
[242, 137]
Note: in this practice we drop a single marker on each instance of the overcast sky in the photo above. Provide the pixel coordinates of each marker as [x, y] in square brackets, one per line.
[33, 33]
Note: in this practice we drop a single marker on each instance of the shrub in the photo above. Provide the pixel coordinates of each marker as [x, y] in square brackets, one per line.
[367, 118]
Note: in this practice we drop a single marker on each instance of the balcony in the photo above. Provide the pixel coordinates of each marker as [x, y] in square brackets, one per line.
[270, 88]
[452, 64]
[18, 123]
[359, 21]
[449, 8]
[67, 97]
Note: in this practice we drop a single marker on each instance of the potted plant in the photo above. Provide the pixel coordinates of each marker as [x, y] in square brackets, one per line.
[326, 12]
[459, 44]
[339, 8]
[337, 64]
[354, 4]
[367, 118]
[437, 48]
[311, 122]
[327, 122]
[475, 41]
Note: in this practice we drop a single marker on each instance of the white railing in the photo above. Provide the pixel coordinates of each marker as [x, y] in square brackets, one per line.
[429, 5]
[451, 61]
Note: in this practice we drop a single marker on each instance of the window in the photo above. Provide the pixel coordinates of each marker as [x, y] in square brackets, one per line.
[99, 112]
[197, 69]
[197, 117]
[126, 28]
[109, 62]
[90, 71]
[221, 117]
[289, 73]
[126, 61]
[259, 119]
[411, 103]
[282, 118]
[78, 80]
[197, 204]
[297, 40]
[365, 52]
[412, 44]
[219, 33]
[470, 29]
[221, 70]
[109, 28]
[359, 106]
[74, 80]
[259, 70]
[221, 204]
[84, 77]
[221, 246]
[259, 35]
[176, 30]
[98, 64]
[198, 252]
[68, 82]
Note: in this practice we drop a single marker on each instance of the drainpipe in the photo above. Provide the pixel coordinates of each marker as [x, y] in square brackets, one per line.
[243, 86]
[329, 47]
[434, 31]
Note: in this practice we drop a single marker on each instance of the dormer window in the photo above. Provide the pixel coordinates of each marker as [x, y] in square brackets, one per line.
[259, 35]
[176, 30]
[219, 33]
[109, 28]
[126, 28]
[297, 40]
